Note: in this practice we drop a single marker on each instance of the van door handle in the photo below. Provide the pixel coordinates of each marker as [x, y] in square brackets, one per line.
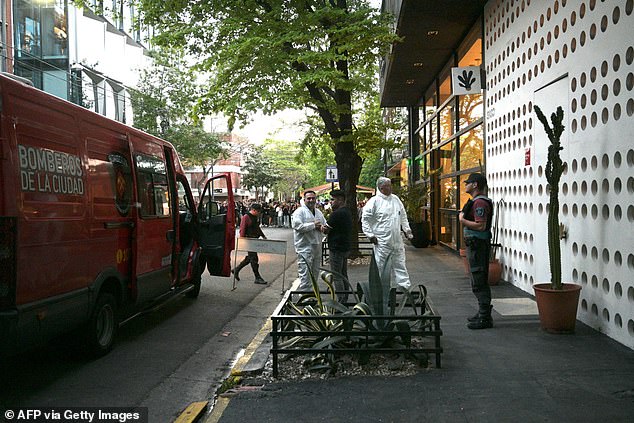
[171, 235]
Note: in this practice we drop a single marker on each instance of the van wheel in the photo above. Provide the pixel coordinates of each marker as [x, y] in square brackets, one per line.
[197, 280]
[102, 326]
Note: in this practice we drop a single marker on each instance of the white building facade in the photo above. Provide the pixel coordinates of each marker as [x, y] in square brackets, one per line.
[577, 54]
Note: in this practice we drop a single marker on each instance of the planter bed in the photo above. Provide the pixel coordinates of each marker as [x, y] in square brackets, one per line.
[427, 326]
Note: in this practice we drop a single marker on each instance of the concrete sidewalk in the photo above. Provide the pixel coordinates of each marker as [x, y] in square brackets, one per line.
[512, 372]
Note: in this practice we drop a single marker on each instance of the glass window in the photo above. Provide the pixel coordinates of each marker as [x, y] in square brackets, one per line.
[471, 109]
[448, 193]
[472, 149]
[152, 186]
[447, 121]
[464, 197]
[448, 158]
[448, 223]
[41, 44]
[445, 86]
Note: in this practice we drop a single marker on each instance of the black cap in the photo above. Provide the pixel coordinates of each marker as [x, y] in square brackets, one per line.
[337, 193]
[256, 206]
[479, 178]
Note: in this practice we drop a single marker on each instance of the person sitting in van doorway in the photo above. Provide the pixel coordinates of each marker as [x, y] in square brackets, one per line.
[250, 228]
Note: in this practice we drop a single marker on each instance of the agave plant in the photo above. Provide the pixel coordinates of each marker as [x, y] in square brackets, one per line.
[371, 299]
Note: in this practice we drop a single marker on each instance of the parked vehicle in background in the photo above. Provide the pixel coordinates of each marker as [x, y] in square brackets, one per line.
[97, 222]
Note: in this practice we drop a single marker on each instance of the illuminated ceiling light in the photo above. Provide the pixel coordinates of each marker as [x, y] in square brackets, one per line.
[418, 64]
[432, 33]
[410, 81]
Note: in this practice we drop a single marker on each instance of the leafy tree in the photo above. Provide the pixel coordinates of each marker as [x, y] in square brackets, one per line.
[271, 55]
[164, 104]
[284, 156]
[260, 173]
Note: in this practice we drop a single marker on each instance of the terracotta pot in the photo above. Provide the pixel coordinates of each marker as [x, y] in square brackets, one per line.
[557, 308]
[495, 272]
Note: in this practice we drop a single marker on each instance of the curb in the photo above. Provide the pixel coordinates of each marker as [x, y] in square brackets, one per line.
[252, 362]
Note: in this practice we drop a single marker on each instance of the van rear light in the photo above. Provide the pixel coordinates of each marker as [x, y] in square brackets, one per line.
[8, 274]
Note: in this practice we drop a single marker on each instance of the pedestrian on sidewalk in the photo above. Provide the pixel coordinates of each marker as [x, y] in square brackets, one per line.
[382, 219]
[250, 228]
[476, 217]
[307, 222]
[339, 230]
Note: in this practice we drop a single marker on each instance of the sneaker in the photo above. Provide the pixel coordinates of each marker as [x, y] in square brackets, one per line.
[260, 281]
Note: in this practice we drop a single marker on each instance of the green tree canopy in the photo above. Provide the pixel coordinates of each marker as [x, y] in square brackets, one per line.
[164, 105]
[259, 172]
[284, 157]
[272, 55]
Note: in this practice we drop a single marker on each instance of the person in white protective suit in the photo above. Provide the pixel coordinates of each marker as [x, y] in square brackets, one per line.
[307, 222]
[382, 219]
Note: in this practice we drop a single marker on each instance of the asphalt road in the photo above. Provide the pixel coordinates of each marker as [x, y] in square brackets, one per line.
[162, 360]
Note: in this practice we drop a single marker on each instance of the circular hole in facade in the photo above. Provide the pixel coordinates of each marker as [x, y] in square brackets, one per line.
[618, 258]
[594, 187]
[595, 310]
[595, 211]
[594, 252]
[618, 214]
[617, 111]
[584, 305]
[616, 87]
[606, 315]
[605, 212]
[630, 294]
[618, 290]
[616, 15]
[605, 256]
[618, 321]
[605, 284]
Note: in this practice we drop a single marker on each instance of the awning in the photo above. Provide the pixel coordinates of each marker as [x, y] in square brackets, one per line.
[431, 31]
[321, 189]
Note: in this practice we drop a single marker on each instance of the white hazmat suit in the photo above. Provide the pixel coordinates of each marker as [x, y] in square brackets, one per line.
[307, 243]
[383, 217]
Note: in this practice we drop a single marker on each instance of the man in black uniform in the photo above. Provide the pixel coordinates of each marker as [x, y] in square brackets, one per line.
[339, 229]
[476, 217]
[250, 228]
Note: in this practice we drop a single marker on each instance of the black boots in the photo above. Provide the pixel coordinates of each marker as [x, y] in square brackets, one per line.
[254, 266]
[236, 271]
[483, 319]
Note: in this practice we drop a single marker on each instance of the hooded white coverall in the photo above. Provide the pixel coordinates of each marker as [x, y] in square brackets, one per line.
[307, 243]
[382, 217]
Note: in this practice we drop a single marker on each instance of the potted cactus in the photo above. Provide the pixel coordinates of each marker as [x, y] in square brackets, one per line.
[556, 301]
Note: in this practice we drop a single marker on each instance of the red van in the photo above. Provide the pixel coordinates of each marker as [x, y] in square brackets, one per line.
[97, 221]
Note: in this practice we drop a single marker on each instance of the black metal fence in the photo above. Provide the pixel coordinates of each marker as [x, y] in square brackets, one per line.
[426, 326]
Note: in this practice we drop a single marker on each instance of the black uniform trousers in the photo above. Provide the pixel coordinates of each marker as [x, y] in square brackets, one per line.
[478, 257]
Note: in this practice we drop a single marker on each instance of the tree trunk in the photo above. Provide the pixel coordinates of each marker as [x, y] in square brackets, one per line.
[349, 168]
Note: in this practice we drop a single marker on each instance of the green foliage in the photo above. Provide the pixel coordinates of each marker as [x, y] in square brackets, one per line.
[259, 173]
[164, 105]
[373, 167]
[413, 198]
[554, 169]
[284, 157]
[273, 55]
[373, 298]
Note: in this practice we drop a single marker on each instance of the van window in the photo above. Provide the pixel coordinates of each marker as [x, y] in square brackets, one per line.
[152, 186]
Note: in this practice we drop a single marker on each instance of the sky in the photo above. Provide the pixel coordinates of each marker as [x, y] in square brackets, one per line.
[282, 126]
